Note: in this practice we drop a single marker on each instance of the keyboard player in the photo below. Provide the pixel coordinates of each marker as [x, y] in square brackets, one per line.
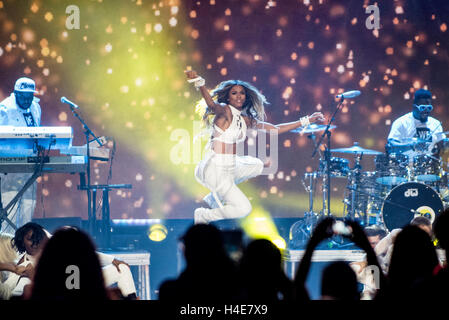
[20, 109]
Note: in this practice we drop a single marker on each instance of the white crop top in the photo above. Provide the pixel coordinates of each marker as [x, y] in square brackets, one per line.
[235, 133]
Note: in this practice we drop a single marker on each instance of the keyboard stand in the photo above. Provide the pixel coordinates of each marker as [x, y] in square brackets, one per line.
[4, 211]
[102, 232]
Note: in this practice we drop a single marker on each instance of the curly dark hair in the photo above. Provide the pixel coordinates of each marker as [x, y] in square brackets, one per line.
[253, 106]
[37, 236]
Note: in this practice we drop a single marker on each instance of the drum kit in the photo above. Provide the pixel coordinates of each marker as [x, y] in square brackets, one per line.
[401, 187]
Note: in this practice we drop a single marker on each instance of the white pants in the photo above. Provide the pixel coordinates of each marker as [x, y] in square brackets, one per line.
[124, 278]
[111, 275]
[221, 173]
[15, 283]
[18, 290]
[23, 210]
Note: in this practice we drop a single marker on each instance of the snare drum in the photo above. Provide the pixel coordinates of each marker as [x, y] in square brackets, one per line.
[392, 169]
[427, 168]
[339, 167]
[409, 200]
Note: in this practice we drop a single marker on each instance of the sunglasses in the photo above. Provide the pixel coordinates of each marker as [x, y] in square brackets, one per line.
[424, 107]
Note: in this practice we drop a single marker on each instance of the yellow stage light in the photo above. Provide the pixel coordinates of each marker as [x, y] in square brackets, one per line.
[157, 232]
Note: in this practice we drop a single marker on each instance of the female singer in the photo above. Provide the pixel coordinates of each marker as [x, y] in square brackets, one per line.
[234, 106]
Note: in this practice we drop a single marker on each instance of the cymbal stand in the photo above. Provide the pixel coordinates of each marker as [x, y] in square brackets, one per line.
[313, 138]
[301, 230]
[354, 180]
[310, 190]
[327, 158]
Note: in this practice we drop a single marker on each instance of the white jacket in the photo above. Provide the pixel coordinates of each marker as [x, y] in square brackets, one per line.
[12, 115]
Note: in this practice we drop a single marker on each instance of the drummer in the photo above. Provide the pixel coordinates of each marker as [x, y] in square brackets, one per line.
[416, 132]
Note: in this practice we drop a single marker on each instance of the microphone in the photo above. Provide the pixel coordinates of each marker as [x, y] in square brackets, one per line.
[349, 94]
[70, 103]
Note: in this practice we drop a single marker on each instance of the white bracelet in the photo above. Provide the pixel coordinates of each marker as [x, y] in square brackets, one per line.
[194, 79]
[198, 82]
[305, 121]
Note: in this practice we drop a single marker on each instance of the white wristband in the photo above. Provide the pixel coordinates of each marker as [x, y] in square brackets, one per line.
[198, 81]
[305, 121]
[194, 79]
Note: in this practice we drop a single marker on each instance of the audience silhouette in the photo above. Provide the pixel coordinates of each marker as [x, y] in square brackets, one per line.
[339, 282]
[440, 283]
[411, 267]
[324, 230]
[68, 269]
[261, 273]
[210, 275]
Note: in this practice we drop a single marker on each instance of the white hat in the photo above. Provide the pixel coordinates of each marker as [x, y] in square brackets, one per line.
[25, 85]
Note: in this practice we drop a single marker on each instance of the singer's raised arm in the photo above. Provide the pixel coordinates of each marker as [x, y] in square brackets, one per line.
[216, 108]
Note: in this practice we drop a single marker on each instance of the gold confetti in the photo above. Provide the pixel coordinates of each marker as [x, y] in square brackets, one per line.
[195, 34]
[34, 7]
[48, 16]
[45, 51]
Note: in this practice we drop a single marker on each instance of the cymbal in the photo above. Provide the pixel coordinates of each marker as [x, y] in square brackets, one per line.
[313, 128]
[356, 149]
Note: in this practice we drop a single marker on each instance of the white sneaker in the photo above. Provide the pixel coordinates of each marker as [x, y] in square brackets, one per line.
[198, 216]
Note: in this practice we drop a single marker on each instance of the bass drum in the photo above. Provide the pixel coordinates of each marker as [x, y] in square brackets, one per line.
[407, 201]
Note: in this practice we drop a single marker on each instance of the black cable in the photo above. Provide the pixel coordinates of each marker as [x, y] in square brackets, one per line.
[43, 180]
[112, 159]
[37, 171]
[110, 170]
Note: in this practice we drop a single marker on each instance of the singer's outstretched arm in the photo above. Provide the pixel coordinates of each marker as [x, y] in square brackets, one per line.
[285, 127]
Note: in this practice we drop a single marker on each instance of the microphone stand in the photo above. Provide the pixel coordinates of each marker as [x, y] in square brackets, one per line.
[327, 160]
[83, 186]
[104, 236]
